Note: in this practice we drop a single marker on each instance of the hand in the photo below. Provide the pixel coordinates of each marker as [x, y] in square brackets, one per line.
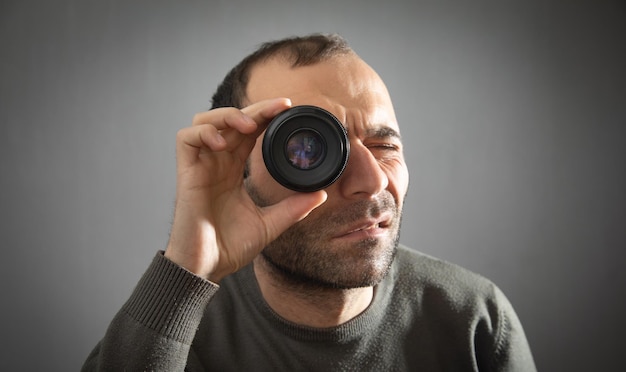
[217, 228]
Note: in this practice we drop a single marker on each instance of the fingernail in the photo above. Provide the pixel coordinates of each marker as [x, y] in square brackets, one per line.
[285, 101]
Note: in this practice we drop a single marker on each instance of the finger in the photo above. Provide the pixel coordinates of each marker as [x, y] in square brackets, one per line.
[264, 111]
[195, 140]
[224, 118]
[245, 120]
[249, 122]
[227, 128]
[280, 216]
[201, 137]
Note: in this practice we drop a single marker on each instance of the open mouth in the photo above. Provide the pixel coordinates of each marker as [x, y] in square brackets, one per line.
[370, 228]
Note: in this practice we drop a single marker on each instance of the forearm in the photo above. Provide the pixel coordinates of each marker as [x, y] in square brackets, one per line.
[155, 327]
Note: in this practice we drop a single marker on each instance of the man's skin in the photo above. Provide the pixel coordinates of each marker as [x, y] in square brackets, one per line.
[223, 222]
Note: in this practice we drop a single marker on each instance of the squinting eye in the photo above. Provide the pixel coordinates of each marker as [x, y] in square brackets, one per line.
[384, 147]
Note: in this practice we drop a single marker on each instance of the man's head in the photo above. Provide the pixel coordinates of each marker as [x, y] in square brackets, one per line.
[350, 240]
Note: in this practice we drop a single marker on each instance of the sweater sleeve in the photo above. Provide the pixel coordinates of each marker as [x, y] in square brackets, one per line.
[509, 347]
[154, 329]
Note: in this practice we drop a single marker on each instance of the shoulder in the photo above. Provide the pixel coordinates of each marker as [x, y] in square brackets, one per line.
[463, 305]
[434, 282]
[428, 271]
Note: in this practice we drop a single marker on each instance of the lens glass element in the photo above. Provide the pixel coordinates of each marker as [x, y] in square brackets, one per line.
[305, 149]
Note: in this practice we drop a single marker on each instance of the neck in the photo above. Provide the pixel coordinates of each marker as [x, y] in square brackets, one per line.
[311, 306]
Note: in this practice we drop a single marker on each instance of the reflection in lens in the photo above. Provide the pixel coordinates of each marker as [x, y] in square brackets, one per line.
[305, 149]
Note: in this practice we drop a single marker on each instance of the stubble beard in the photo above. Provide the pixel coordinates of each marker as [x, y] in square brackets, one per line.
[305, 256]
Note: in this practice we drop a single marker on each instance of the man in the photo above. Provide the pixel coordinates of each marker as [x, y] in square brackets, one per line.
[259, 277]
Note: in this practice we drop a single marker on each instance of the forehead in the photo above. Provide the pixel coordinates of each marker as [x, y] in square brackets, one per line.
[345, 86]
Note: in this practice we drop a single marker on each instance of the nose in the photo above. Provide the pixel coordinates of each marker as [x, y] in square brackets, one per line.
[363, 177]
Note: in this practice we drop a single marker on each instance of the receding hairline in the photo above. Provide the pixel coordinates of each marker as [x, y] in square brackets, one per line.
[302, 51]
[296, 51]
[294, 56]
[282, 63]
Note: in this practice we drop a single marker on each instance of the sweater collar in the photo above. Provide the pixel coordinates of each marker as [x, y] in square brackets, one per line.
[353, 329]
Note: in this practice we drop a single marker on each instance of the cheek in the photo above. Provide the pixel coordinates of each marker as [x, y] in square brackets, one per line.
[398, 181]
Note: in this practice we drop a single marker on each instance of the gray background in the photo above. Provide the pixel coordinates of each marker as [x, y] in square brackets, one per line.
[513, 114]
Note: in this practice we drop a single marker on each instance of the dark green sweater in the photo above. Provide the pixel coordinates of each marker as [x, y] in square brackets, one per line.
[427, 315]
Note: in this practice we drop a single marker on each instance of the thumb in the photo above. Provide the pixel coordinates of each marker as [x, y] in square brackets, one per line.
[282, 215]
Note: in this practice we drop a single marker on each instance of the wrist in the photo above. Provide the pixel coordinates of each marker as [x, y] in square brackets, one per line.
[196, 265]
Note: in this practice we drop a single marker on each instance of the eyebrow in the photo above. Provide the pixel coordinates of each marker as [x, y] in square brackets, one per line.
[383, 132]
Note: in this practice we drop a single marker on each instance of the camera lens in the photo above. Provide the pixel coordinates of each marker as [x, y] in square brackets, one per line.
[305, 148]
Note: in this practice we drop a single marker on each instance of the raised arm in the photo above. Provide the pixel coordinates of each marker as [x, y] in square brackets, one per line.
[217, 227]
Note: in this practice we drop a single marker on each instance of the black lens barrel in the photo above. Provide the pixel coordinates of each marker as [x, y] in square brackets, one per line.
[305, 148]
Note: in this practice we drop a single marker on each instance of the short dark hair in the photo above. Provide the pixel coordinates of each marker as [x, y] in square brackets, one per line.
[299, 51]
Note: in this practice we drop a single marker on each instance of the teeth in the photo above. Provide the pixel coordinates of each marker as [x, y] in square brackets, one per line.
[375, 226]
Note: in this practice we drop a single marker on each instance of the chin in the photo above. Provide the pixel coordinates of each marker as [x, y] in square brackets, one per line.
[364, 264]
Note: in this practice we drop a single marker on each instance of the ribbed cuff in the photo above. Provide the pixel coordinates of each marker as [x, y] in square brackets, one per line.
[170, 300]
